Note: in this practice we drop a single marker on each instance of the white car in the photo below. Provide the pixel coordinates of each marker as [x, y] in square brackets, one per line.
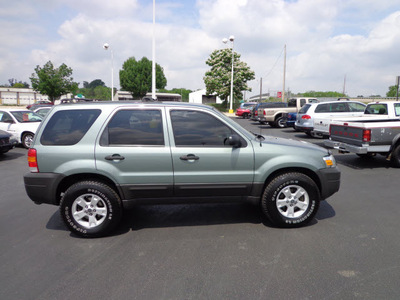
[21, 123]
[319, 114]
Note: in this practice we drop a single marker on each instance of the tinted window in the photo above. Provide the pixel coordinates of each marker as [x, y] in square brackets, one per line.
[304, 109]
[397, 109]
[5, 117]
[377, 109]
[322, 108]
[67, 127]
[357, 107]
[292, 102]
[193, 128]
[134, 127]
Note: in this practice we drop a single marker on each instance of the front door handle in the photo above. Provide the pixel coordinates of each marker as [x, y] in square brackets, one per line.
[114, 157]
[189, 157]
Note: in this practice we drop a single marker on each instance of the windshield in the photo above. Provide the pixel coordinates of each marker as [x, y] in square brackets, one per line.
[26, 116]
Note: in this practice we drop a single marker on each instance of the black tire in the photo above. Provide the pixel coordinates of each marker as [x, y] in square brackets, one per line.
[279, 123]
[245, 116]
[27, 139]
[90, 201]
[395, 158]
[295, 208]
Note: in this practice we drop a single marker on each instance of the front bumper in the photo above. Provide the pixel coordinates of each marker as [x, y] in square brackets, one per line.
[330, 181]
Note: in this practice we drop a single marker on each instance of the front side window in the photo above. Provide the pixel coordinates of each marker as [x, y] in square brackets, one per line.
[292, 103]
[134, 128]
[67, 127]
[194, 128]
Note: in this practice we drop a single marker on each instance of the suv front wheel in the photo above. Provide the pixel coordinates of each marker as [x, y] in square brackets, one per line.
[90, 208]
[290, 200]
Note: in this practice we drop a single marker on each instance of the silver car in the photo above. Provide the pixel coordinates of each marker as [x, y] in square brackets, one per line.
[305, 120]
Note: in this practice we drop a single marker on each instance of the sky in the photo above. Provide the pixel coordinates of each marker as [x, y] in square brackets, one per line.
[331, 45]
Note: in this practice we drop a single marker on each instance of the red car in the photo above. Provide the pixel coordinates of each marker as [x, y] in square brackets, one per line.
[245, 109]
[40, 102]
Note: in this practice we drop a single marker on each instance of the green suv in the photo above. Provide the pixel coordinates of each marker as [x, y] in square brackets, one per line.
[96, 159]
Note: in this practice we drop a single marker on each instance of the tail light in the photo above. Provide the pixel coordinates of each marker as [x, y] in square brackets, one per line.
[32, 161]
[366, 135]
[306, 117]
[264, 113]
[256, 113]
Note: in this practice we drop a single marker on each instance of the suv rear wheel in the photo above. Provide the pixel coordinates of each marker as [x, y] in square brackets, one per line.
[90, 208]
[290, 200]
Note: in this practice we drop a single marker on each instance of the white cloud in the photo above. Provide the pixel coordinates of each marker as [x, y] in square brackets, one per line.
[326, 40]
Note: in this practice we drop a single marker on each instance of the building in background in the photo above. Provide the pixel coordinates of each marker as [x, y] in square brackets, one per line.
[200, 97]
[19, 96]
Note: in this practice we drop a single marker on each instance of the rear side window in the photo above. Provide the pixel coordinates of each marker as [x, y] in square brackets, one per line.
[322, 108]
[134, 128]
[67, 127]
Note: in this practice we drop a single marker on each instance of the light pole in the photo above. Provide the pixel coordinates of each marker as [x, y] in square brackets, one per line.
[106, 46]
[153, 64]
[225, 40]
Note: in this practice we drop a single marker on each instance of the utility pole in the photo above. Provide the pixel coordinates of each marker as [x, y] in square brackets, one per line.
[260, 88]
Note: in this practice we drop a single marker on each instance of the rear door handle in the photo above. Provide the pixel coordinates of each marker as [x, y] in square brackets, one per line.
[189, 157]
[114, 157]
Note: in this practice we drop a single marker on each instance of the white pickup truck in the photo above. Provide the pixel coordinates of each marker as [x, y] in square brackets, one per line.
[274, 116]
[374, 110]
[368, 136]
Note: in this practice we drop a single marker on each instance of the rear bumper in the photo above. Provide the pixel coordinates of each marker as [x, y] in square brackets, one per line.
[42, 187]
[344, 147]
[303, 128]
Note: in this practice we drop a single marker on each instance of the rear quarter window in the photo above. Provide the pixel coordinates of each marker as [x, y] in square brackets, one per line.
[68, 127]
[304, 109]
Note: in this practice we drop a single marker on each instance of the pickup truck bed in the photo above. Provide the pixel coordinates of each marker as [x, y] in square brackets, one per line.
[367, 138]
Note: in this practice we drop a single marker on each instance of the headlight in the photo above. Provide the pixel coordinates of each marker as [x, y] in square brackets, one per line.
[330, 161]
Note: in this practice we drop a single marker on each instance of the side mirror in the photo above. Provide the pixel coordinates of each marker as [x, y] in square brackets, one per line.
[234, 141]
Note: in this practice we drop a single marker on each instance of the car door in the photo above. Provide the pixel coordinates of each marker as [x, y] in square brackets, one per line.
[204, 164]
[134, 150]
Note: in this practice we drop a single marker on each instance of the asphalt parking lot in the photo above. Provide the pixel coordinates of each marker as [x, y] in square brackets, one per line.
[210, 251]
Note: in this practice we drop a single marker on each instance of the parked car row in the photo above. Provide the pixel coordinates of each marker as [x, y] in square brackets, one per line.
[20, 123]
[7, 142]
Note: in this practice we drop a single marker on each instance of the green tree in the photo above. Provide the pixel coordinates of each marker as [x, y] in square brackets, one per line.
[322, 94]
[392, 91]
[53, 82]
[136, 77]
[17, 84]
[218, 78]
